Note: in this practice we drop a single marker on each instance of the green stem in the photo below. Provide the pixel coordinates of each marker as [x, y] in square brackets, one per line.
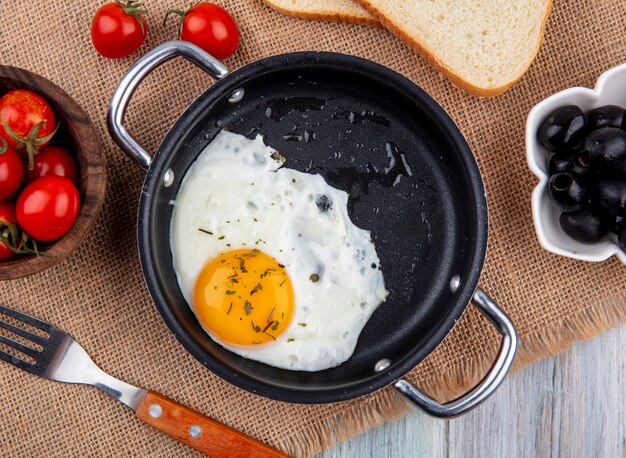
[32, 142]
[18, 243]
[136, 10]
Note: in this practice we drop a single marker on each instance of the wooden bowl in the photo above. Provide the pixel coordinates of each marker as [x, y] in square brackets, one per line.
[77, 133]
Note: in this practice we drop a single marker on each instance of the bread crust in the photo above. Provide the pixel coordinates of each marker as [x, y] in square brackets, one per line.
[432, 58]
[333, 16]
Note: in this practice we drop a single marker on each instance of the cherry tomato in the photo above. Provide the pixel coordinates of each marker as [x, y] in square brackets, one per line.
[7, 218]
[52, 161]
[210, 27]
[26, 121]
[118, 29]
[47, 208]
[11, 171]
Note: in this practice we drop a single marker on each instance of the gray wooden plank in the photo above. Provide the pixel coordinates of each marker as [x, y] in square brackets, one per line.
[414, 435]
[590, 418]
[516, 421]
[570, 405]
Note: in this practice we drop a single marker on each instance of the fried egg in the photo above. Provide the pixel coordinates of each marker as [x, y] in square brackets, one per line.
[269, 260]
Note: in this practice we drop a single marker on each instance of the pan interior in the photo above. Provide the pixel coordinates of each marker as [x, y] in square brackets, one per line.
[412, 182]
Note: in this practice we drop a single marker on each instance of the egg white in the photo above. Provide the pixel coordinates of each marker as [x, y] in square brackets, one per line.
[237, 190]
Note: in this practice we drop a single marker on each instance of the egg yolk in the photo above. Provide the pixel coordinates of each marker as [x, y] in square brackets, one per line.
[244, 297]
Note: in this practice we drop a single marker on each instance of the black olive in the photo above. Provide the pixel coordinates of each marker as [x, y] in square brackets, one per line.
[605, 146]
[621, 239]
[560, 162]
[606, 116]
[620, 169]
[610, 196]
[583, 225]
[563, 129]
[566, 191]
[612, 223]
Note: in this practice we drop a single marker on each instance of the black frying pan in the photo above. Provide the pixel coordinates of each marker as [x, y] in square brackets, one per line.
[412, 181]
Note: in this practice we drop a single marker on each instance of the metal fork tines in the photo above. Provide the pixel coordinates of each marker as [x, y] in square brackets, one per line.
[60, 359]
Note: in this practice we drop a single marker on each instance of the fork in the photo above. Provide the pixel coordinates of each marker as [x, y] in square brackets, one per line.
[62, 359]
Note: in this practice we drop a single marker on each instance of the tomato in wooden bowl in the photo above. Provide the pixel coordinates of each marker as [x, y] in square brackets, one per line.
[52, 173]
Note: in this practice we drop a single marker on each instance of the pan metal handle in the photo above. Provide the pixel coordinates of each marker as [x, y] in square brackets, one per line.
[135, 75]
[490, 382]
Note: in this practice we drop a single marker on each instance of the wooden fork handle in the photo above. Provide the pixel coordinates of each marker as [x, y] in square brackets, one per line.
[202, 433]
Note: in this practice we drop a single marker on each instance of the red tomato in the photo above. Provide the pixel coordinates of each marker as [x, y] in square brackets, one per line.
[11, 171]
[7, 218]
[210, 27]
[26, 120]
[47, 208]
[118, 29]
[52, 161]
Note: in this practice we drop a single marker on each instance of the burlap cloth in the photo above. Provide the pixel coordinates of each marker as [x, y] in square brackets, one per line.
[98, 293]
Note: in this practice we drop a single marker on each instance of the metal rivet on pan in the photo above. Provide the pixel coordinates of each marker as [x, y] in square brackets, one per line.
[455, 282]
[168, 178]
[195, 431]
[382, 365]
[155, 410]
[237, 95]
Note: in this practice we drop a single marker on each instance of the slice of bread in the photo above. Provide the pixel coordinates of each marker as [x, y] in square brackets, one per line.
[332, 10]
[483, 46]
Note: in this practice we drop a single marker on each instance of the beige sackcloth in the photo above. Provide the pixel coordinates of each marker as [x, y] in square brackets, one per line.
[98, 293]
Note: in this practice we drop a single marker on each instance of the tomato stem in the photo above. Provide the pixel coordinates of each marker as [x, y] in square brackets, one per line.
[31, 142]
[4, 146]
[18, 243]
[179, 13]
[136, 10]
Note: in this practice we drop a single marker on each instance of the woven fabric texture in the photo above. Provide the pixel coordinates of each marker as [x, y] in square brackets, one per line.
[98, 293]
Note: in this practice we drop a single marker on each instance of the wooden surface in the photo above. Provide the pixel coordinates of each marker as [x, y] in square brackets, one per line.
[202, 433]
[570, 405]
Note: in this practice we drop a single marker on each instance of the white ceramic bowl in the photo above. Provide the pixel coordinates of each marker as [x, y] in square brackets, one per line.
[610, 90]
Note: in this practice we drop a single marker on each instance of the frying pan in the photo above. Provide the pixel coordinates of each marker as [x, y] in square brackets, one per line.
[412, 181]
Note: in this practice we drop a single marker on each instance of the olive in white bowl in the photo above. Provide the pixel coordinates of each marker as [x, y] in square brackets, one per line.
[576, 146]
